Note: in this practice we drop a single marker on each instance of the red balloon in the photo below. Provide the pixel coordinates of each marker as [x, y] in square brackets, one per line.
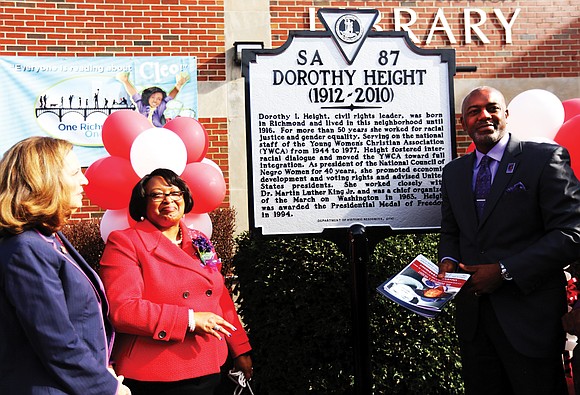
[120, 130]
[207, 185]
[571, 108]
[111, 180]
[471, 148]
[194, 137]
[568, 136]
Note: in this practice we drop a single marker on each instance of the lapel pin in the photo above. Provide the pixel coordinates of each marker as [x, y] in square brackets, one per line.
[510, 168]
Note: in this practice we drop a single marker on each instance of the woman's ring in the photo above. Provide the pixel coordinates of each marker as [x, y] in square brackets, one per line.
[217, 328]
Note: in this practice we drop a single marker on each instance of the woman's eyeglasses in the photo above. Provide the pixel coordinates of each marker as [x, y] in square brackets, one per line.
[160, 196]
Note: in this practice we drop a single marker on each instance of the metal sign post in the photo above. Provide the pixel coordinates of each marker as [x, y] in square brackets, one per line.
[359, 259]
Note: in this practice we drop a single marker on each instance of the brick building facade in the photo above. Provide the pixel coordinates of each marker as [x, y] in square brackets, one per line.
[515, 45]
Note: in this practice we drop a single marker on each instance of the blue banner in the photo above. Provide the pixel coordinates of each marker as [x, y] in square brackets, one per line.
[70, 97]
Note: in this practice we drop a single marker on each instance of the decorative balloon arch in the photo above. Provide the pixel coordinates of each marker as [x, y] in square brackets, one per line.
[136, 148]
[538, 115]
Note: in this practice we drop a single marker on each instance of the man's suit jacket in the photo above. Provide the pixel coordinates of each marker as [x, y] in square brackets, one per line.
[531, 223]
[54, 337]
[151, 284]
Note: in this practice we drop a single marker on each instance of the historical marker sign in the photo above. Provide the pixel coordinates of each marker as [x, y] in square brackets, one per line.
[347, 126]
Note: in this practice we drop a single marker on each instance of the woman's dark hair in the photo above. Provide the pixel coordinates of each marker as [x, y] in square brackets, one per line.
[149, 91]
[138, 203]
[146, 94]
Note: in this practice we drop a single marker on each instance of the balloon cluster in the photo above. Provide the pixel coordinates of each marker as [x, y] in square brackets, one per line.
[538, 115]
[136, 149]
[569, 133]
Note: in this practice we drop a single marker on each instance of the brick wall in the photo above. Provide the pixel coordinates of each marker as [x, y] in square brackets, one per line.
[546, 34]
[117, 28]
[124, 28]
[218, 147]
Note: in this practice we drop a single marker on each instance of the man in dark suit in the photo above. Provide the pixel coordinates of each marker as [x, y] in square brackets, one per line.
[515, 248]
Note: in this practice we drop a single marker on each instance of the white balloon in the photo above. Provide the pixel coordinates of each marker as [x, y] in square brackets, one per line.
[158, 148]
[201, 222]
[213, 164]
[544, 140]
[535, 113]
[113, 220]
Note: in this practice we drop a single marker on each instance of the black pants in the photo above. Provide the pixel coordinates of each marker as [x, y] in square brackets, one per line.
[204, 385]
[491, 366]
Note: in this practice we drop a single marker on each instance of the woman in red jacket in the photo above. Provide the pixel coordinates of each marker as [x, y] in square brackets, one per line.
[174, 317]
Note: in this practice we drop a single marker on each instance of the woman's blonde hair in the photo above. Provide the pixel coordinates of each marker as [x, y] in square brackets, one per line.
[32, 191]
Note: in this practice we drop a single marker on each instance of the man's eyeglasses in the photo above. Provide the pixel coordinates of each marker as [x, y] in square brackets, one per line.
[160, 196]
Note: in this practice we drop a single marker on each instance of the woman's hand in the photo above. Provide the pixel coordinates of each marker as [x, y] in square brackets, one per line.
[213, 324]
[181, 79]
[121, 389]
[243, 363]
[122, 76]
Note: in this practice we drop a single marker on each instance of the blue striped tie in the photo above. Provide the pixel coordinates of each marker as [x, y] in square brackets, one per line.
[482, 184]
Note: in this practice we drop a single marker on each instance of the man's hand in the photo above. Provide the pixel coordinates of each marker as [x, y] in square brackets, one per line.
[484, 278]
[446, 266]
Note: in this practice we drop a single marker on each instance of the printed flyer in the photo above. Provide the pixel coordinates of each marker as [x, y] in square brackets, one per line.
[418, 289]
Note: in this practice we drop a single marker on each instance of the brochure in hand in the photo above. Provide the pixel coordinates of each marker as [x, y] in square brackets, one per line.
[418, 289]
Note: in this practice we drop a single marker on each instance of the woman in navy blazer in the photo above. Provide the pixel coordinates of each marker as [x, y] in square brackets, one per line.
[175, 319]
[53, 312]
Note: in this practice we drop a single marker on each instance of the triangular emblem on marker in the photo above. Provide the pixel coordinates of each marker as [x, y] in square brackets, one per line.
[349, 28]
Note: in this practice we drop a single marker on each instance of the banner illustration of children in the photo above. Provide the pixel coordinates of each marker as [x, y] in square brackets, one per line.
[152, 101]
[70, 98]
